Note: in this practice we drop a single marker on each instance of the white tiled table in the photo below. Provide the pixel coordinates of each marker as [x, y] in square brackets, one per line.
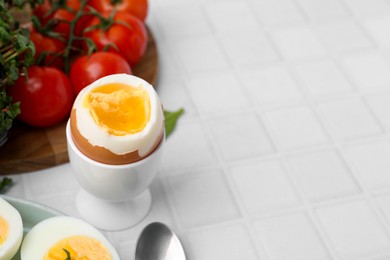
[284, 150]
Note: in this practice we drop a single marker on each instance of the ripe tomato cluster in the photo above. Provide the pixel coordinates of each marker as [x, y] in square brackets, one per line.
[77, 42]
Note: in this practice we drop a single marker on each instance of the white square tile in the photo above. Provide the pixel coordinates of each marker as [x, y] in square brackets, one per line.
[181, 20]
[380, 105]
[201, 198]
[323, 9]
[199, 54]
[271, 85]
[220, 15]
[291, 237]
[354, 230]
[218, 93]
[277, 12]
[247, 48]
[296, 127]
[323, 175]
[343, 36]
[385, 257]
[187, 147]
[378, 28]
[264, 186]
[383, 201]
[168, 65]
[298, 43]
[240, 136]
[372, 163]
[368, 8]
[164, 2]
[323, 78]
[174, 95]
[44, 182]
[18, 186]
[349, 119]
[368, 70]
[233, 243]
[154, 25]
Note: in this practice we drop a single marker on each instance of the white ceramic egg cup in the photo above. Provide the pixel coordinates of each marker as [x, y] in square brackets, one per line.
[113, 197]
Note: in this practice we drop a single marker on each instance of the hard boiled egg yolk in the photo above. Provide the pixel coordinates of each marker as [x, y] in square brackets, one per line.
[78, 248]
[118, 108]
[3, 230]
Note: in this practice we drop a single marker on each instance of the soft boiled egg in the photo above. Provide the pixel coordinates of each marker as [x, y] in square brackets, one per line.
[11, 230]
[117, 119]
[65, 237]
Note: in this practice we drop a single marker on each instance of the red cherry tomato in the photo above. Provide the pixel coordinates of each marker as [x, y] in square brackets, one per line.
[62, 17]
[87, 69]
[138, 8]
[49, 47]
[46, 98]
[127, 33]
[42, 11]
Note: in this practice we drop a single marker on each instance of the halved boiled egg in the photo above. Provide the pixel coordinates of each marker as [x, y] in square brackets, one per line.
[65, 237]
[11, 230]
[117, 119]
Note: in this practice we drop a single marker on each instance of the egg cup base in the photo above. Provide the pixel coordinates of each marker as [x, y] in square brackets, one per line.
[113, 216]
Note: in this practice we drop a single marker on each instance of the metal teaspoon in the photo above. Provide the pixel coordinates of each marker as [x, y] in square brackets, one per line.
[158, 242]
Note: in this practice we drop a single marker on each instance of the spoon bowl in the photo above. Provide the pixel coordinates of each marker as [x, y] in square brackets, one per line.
[158, 242]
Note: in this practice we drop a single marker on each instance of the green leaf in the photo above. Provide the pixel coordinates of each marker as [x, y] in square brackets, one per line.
[4, 34]
[5, 183]
[67, 254]
[8, 111]
[14, 71]
[21, 42]
[171, 118]
[14, 110]
[18, 2]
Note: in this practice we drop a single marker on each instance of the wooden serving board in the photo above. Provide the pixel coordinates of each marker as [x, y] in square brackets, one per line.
[29, 149]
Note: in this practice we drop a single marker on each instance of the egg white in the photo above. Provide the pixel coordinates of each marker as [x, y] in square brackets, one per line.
[47, 233]
[15, 233]
[142, 141]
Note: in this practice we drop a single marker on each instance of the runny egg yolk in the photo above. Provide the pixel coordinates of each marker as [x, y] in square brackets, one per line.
[78, 248]
[3, 230]
[118, 108]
